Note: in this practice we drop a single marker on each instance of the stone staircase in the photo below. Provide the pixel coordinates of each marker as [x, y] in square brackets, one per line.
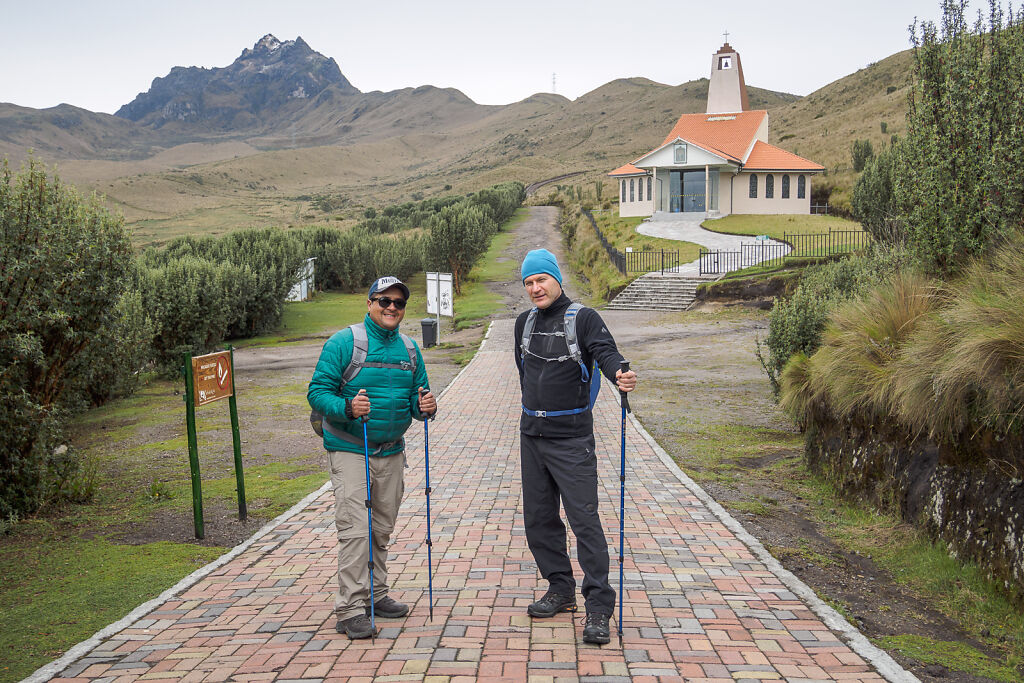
[658, 292]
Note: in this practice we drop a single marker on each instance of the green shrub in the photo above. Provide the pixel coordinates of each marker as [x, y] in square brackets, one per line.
[959, 185]
[189, 307]
[797, 322]
[945, 360]
[861, 153]
[64, 265]
[874, 204]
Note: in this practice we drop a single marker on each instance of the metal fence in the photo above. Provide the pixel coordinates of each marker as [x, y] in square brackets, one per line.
[650, 261]
[768, 254]
[821, 209]
[826, 243]
[617, 257]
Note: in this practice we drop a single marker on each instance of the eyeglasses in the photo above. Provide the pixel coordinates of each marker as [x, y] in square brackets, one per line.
[386, 301]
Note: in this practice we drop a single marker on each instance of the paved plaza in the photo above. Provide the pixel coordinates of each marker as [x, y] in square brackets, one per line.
[703, 600]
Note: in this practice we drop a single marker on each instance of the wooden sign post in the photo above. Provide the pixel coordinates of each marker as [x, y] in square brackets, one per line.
[210, 378]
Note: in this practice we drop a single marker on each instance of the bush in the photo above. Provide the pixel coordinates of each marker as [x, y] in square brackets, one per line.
[874, 204]
[188, 301]
[64, 266]
[797, 322]
[943, 360]
[959, 185]
[861, 152]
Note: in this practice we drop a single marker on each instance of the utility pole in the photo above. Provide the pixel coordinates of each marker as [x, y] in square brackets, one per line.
[553, 89]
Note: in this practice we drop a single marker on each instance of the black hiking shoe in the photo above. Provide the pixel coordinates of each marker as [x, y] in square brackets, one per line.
[595, 629]
[355, 627]
[551, 604]
[388, 608]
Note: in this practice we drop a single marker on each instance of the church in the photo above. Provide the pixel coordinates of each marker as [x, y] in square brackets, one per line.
[718, 163]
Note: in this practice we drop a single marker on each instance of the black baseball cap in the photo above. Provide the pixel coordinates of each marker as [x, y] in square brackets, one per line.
[385, 283]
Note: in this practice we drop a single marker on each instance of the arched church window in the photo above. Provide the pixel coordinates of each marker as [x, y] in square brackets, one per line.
[769, 186]
[632, 189]
[648, 188]
[785, 186]
[622, 193]
[801, 187]
[753, 186]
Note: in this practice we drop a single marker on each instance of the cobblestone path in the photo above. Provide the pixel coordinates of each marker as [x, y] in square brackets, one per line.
[703, 601]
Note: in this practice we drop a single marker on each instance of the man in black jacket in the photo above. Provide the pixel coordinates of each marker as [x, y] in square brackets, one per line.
[557, 440]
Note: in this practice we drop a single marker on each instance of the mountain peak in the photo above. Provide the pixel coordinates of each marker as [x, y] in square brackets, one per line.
[263, 79]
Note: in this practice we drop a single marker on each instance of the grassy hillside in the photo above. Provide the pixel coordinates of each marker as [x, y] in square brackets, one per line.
[333, 159]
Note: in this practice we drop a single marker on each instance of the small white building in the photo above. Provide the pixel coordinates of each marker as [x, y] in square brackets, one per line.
[303, 289]
[718, 163]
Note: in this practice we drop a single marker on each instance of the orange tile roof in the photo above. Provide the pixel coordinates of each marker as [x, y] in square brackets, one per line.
[728, 135]
[628, 169]
[765, 157]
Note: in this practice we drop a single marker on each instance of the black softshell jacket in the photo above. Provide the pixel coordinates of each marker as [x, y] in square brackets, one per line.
[549, 385]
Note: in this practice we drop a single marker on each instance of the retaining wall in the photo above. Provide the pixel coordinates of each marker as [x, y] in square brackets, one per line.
[971, 498]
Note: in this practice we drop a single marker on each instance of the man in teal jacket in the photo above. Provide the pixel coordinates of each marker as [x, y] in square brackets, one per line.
[386, 390]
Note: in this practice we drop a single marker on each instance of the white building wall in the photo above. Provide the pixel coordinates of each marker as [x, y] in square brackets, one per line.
[742, 203]
[636, 207]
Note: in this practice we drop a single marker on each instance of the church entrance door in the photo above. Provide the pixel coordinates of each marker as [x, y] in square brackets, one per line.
[686, 191]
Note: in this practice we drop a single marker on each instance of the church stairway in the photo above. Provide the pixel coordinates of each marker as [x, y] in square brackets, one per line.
[658, 292]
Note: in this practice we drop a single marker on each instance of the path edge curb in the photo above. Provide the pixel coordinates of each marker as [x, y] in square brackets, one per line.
[883, 662]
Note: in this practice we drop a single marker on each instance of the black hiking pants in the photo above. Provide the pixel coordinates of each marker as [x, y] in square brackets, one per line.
[566, 469]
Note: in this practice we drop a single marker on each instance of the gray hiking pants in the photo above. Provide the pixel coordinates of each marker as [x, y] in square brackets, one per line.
[387, 485]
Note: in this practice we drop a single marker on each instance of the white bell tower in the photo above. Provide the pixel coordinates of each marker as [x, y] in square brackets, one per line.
[727, 92]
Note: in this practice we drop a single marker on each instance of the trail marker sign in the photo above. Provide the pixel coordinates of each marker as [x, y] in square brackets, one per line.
[211, 377]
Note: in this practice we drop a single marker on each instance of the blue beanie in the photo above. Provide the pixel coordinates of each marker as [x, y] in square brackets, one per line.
[541, 261]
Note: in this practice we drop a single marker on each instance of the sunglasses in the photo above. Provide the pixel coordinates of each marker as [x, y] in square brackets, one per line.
[386, 301]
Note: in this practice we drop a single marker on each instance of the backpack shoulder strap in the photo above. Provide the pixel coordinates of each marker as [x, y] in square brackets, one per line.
[524, 343]
[410, 348]
[569, 323]
[360, 346]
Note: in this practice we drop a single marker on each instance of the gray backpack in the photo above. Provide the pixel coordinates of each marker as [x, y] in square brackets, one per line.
[360, 346]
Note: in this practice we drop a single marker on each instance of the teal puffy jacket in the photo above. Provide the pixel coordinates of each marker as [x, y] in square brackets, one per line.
[393, 393]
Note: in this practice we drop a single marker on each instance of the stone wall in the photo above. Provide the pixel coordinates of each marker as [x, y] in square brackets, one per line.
[972, 498]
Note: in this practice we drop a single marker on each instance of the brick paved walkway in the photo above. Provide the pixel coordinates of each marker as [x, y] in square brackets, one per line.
[703, 601]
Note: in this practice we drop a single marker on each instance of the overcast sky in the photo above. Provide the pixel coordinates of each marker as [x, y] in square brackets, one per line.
[99, 54]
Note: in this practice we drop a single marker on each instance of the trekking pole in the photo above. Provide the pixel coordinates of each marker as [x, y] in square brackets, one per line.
[622, 492]
[369, 520]
[430, 563]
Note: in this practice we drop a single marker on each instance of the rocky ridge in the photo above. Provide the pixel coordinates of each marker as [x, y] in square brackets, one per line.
[264, 82]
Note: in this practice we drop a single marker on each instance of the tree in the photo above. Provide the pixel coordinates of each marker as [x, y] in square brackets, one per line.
[959, 185]
[874, 204]
[65, 263]
[861, 152]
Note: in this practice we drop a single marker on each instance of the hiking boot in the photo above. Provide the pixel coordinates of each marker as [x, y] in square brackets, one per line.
[355, 627]
[388, 608]
[551, 604]
[595, 629]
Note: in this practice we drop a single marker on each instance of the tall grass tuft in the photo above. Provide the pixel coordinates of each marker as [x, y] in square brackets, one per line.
[973, 355]
[855, 369]
[944, 360]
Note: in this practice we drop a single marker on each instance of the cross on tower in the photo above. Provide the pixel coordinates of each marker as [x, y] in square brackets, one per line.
[726, 36]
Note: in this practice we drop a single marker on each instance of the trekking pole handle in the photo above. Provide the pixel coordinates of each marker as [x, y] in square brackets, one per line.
[624, 367]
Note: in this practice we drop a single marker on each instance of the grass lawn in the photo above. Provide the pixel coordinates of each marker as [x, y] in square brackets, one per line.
[621, 232]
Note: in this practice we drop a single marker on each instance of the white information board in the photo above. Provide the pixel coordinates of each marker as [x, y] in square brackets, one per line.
[440, 297]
